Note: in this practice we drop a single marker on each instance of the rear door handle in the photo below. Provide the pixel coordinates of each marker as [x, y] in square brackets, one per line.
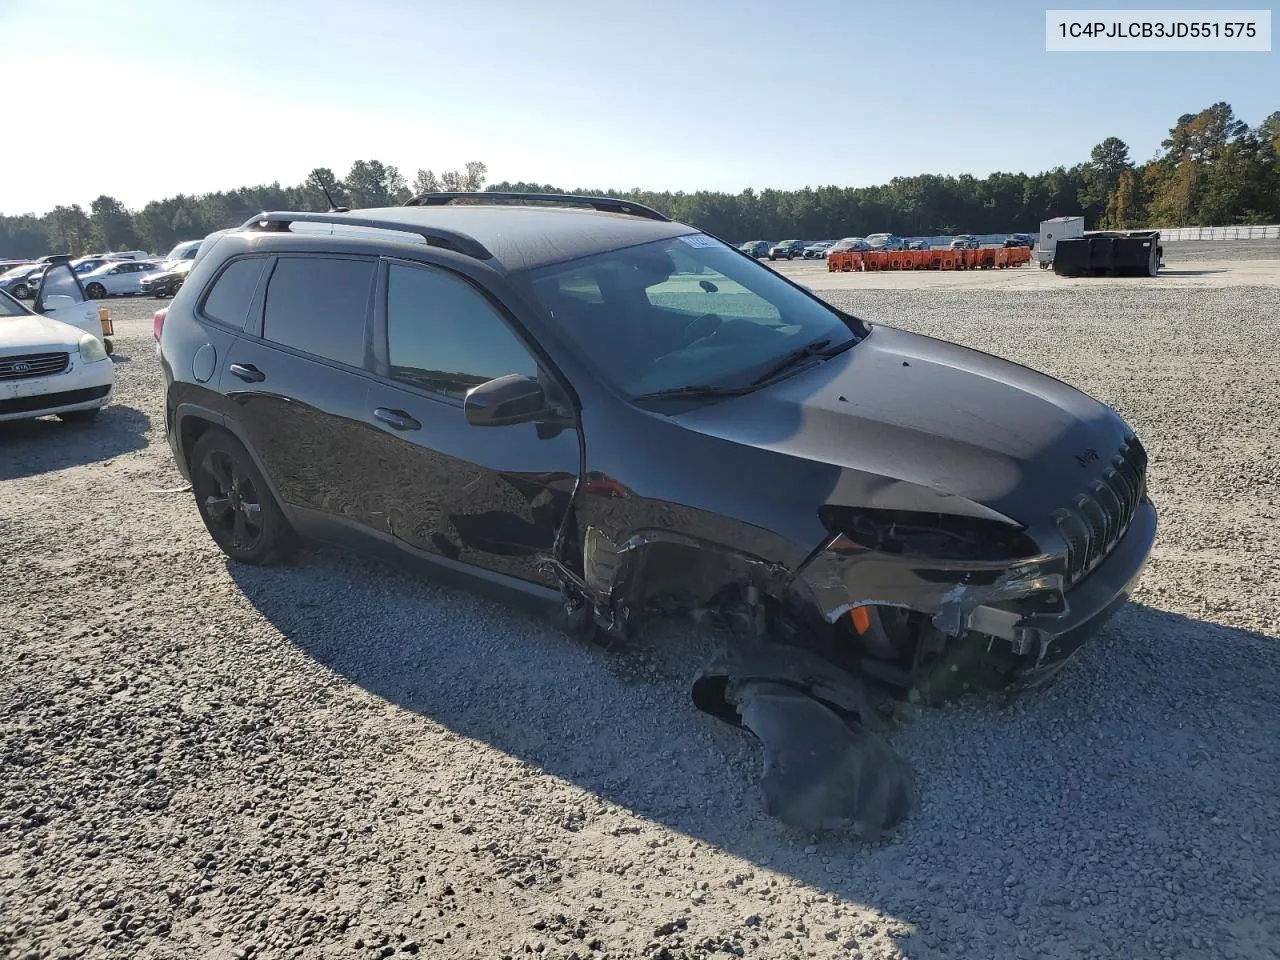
[396, 419]
[247, 372]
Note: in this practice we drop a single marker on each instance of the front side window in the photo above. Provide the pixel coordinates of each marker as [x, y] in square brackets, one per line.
[232, 293]
[686, 311]
[318, 305]
[444, 336]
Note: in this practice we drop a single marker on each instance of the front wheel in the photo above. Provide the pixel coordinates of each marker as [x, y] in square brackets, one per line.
[95, 291]
[234, 502]
[21, 291]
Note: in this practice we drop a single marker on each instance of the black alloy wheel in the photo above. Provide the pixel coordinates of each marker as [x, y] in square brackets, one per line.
[234, 502]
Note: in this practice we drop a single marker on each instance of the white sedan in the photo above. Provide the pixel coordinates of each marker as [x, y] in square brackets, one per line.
[117, 278]
[50, 367]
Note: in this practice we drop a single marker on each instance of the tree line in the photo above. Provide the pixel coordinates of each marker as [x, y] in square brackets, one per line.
[1212, 170]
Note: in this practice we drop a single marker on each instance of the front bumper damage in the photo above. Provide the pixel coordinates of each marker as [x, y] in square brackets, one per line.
[1026, 604]
[826, 764]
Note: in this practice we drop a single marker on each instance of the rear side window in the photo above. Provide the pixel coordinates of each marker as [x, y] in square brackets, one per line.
[228, 302]
[318, 305]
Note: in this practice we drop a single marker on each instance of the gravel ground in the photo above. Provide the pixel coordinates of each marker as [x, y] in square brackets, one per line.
[1182, 250]
[335, 759]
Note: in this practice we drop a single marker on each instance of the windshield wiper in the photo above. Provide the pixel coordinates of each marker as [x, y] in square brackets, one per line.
[694, 391]
[816, 348]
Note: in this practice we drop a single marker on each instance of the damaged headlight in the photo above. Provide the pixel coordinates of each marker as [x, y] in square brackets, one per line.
[935, 536]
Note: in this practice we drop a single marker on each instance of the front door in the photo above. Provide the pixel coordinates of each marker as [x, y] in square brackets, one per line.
[494, 497]
[61, 297]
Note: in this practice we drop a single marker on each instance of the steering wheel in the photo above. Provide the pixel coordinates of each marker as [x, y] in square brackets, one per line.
[699, 329]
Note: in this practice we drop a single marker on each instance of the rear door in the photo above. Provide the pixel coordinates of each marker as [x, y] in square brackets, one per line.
[494, 497]
[298, 382]
[131, 277]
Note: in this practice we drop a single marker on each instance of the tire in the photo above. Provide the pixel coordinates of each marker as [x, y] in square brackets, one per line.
[108, 346]
[234, 502]
[95, 291]
[80, 416]
[21, 291]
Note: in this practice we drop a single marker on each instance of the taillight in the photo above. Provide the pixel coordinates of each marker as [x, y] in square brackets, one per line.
[157, 323]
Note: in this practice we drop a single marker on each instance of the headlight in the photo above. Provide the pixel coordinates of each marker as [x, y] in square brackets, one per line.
[91, 349]
[928, 535]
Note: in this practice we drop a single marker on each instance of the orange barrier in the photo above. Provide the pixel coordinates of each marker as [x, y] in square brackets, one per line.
[985, 258]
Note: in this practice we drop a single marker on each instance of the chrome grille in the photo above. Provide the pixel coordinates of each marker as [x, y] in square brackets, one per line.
[32, 365]
[1097, 518]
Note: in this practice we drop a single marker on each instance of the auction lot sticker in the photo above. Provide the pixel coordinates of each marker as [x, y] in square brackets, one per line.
[1150, 31]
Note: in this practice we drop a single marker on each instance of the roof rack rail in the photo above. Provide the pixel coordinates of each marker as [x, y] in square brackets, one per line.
[603, 204]
[279, 220]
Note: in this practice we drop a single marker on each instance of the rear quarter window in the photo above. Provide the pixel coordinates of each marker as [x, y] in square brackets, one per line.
[231, 295]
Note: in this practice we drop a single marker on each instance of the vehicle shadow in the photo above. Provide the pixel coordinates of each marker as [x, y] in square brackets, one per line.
[1188, 273]
[31, 447]
[997, 783]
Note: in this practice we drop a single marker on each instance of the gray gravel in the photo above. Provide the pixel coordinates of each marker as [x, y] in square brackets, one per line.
[336, 759]
[1180, 251]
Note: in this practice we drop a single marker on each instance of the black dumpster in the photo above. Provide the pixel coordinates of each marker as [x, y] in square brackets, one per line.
[1109, 253]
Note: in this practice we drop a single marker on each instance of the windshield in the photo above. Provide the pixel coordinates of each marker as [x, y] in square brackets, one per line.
[87, 265]
[687, 311]
[10, 307]
[21, 271]
[182, 251]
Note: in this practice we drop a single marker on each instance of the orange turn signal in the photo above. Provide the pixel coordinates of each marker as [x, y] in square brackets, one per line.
[861, 619]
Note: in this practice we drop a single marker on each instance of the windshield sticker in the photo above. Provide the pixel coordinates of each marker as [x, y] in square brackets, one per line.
[698, 240]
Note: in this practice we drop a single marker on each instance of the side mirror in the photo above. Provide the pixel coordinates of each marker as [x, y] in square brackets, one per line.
[55, 302]
[506, 400]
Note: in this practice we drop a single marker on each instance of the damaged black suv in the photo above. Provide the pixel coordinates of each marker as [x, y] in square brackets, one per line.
[586, 401]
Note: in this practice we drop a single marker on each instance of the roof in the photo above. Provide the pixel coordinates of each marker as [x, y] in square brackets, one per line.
[519, 237]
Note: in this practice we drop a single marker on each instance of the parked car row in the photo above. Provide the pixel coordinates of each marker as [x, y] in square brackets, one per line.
[820, 249]
[54, 356]
[122, 273]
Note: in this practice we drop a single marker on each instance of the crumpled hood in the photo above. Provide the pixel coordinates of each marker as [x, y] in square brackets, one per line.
[917, 423]
[32, 333]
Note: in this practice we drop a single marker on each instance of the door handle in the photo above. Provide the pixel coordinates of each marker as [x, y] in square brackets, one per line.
[247, 372]
[396, 419]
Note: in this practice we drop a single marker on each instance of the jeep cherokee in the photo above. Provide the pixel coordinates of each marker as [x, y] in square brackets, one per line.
[586, 401]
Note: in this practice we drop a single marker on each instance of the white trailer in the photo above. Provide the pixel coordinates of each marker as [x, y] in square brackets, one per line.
[1051, 231]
